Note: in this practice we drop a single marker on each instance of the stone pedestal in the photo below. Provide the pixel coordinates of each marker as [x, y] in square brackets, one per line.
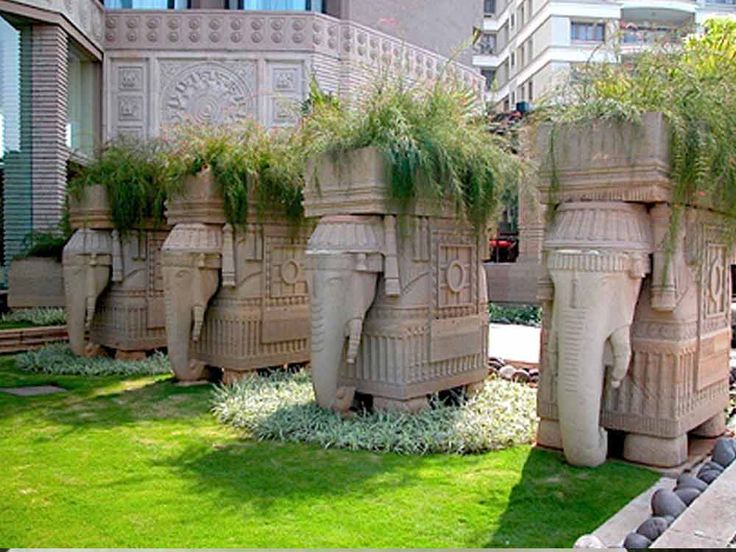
[399, 305]
[676, 346]
[237, 298]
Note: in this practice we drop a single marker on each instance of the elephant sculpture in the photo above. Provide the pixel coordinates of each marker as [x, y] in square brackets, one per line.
[398, 301]
[191, 259]
[87, 261]
[596, 256]
[345, 256]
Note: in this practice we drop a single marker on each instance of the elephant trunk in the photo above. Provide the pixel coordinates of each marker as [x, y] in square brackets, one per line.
[190, 266]
[87, 261]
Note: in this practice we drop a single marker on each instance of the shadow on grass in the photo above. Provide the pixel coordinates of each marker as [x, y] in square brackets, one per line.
[274, 476]
[554, 503]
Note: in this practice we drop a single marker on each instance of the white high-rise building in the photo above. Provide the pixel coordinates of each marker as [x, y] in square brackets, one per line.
[528, 46]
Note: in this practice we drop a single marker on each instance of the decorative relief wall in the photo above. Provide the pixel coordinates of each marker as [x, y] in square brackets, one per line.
[215, 66]
[86, 15]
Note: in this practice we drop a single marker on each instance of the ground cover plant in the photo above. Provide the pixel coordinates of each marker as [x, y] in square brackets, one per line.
[435, 140]
[694, 86]
[25, 318]
[522, 315]
[248, 162]
[282, 407]
[141, 462]
[58, 359]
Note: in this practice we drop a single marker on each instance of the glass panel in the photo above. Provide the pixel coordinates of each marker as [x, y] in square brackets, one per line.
[282, 5]
[83, 102]
[145, 4]
[15, 139]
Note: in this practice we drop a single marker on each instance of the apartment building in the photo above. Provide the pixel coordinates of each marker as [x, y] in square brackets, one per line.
[76, 73]
[530, 46]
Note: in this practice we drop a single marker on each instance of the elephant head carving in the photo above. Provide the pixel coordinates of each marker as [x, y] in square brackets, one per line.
[191, 262]
[345, 257]
[87, 260]
[597, 254]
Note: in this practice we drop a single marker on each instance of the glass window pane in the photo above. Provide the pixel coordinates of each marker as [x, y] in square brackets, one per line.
[145, 4]
[83, 102]
[282, 5]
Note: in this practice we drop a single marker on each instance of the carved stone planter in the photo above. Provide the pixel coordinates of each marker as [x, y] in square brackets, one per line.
[236, 298]
[631, 345]
[113, 283]
[35, 282]
[399, 306]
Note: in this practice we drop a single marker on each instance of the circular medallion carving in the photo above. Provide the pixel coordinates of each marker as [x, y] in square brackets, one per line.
[277, 37]
[174, 23]
[215, 23]
[256, 37]
[174, 36]
[236, 37]
[132, 36]
[132, 22]
[291, 272]
[194, 36]
[110, 36]
[456, 276]
[207, 93]
[298, 38]
[257, 24]
[236, 24]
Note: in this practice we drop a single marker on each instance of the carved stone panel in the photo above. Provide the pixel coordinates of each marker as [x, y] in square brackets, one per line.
[207, 92]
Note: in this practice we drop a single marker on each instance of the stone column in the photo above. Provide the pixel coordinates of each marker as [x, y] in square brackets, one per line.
[50, 84]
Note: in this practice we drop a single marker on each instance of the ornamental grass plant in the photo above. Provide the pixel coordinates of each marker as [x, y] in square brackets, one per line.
[249, 164]
[281, 407]
[693, 84]
[435, 140]
[136, 174]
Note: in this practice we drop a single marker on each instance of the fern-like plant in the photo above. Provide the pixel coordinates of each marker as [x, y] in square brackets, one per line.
[436, 143]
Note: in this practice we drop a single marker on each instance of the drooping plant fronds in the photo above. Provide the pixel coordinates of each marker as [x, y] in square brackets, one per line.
[434, 139]
[248, 162]
[135, 174]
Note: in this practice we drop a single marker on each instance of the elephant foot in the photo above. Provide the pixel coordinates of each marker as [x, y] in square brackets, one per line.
[655, 451]
[410, 405]
[93, 350]
[231, 377]
[712, 428]
[343, 399]
[548, 434]
[196, 371]
[131, 356]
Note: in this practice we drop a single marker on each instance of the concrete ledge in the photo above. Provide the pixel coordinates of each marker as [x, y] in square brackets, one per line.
[710, 521]
[25, 339]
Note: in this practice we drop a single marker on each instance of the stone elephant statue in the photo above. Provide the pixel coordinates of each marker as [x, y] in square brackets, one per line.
[344, 259]
[88, 263]
[191, 263]
[597, 255]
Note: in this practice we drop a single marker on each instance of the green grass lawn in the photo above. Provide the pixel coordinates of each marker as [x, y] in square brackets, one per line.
[141, 462]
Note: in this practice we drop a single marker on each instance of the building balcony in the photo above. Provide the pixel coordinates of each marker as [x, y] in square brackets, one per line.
[676, 13]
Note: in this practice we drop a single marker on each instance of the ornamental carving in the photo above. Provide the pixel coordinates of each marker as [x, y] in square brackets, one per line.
[207, 92]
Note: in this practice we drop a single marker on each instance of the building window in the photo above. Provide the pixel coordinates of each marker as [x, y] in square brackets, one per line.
[83, 104]
[281, 5]
[147, 4]
[587, 32]
[530, 94]
[487, 44]
[489, 75]
[489, 7]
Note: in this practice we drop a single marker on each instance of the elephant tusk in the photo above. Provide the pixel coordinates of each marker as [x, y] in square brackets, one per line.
[355, 330]
[198, 318]
[621, 345]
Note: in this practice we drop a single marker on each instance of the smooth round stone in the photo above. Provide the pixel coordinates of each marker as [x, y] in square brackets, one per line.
[521, 376]
[667, 503]
[688, 481]
[687, 494]
[713, 466]
[635, 541]
[589, 541]
[709, 476]
[724, 452]
[653, 528]
[507, 372]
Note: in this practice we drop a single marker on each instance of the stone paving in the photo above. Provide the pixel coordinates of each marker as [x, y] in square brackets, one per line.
[33, 391]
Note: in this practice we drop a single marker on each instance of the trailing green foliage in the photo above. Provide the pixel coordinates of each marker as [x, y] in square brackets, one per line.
[694, 86]
[44, 244]
[35, 317]
[248, 162]
[58, 359]
[522, 315]
[282, 407]
[435, 141]
[136, 175]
